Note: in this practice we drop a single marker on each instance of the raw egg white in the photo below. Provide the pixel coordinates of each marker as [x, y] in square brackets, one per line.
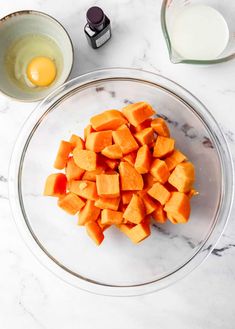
[34, 62]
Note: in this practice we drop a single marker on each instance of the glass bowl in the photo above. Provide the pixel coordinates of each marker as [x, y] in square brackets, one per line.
[171, 8]
[118, 267]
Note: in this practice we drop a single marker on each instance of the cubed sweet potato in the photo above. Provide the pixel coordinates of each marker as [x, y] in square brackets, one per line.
[129, 177]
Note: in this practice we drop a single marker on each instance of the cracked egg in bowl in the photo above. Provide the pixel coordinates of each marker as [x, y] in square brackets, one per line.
[36, 55]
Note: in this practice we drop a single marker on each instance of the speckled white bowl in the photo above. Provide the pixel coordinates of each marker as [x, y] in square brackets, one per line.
[18, 24]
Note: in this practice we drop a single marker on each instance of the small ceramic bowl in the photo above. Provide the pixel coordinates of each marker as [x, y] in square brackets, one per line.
[18, 25]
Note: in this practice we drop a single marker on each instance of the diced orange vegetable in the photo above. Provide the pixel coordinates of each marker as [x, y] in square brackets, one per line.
[139, 232]
[143, 160]
[171, 218]
[178, 206]
[91, 175]
[126, 229]
[108, 203]
[183, 176]
[71, 203]
[159, 171]
[159, 192]
[159, 125]
[72, 170]
[111, 163]
[55, 185]
[163, 146]
[149, 203]
[130, 158]
[111, 217]
[102, 226]
[126, 172]
[85, 159]
[87, 131]
[135, 211]
[129, 177]
[95, 232]
[159, 215]
[62, 155]
[145, 136]
[112, 152]
[126, 196]
[111, 119]
[174, 159]
[108, 185]
[84, 188]
[88, 213]
[138, 112]
[149, 180]
[125, 140]
[141, 126]
[97, 141]
[77, 141]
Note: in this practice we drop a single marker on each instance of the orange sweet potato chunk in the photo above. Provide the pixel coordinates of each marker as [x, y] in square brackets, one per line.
[126, 196]
[62, 155]
[160, 127]
[139, 232]
[149, 203]
[125, 140]
[111, 217]
[111, 119]
[91, 175]
[183, 177]
[130, 158]
[143, 160]
[84, 188]
[55, 185]
[108, 203]
[163, 146]
[174, 159]
[178, 206]
[95, 232]
[129, 177]
[159, 192]
[72, 170]
[135, 211]
[88, 213]
[111, 163]
[159, 215]
[138, 112]
[145, 136]
[108, 185]
[112, 152]
[159, 171]
[77, 141]
[85, 159]
[141, 126]
[71, 203]
[97, 141]
[87, 131]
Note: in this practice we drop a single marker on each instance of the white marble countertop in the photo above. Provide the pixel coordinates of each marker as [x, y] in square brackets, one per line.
[32, 297]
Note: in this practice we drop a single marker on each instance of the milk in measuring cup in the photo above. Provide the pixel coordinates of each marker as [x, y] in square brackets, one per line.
[199, 32]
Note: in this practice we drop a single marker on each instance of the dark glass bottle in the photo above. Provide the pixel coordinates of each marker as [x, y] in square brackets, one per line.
[97, 29]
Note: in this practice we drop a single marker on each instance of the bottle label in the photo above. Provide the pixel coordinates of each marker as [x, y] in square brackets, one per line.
[103, 39]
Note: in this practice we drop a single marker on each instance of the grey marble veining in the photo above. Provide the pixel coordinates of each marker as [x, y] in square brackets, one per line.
[31, 297]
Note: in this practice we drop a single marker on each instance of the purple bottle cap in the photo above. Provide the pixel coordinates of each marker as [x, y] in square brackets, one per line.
[95, 17]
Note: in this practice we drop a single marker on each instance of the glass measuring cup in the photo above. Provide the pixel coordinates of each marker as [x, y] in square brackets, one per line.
[171, 8]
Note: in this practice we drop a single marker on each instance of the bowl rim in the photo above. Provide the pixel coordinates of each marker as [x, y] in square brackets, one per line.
[43, 14]
[223, 210]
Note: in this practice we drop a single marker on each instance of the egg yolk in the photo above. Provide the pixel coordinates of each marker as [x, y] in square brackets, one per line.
[41, 71]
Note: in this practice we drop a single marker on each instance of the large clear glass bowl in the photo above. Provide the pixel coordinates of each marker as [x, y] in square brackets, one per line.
[118, 267]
